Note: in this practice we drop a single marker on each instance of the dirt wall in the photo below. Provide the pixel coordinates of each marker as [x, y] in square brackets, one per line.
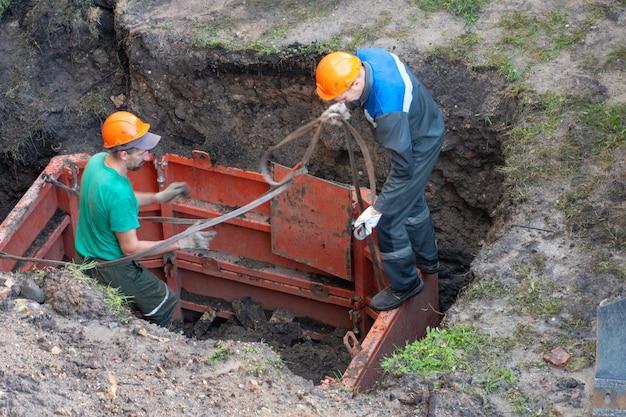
[236, 104]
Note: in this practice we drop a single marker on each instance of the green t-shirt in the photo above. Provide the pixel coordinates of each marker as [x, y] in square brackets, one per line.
[107, 204]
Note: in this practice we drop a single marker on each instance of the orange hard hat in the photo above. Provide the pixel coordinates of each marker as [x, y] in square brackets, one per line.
[335, 74]
[122, 127]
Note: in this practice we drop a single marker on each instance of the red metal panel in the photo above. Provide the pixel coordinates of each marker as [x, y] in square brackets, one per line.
[228, 187]
[205, 210]
[215, 286]
[27, 220]
[311, 223]
[53, 247]
[251, 244]
[393, 329]
[275, 279]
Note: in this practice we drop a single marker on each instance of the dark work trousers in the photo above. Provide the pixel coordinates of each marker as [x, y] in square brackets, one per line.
[406, 235]
[149, 294]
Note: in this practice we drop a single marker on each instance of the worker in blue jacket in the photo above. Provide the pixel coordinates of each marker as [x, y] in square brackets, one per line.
[409, 124]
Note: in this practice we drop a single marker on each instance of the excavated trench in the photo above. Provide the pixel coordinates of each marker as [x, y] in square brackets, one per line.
[233, 106]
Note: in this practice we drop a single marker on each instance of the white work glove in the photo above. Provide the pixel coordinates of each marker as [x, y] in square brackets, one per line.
[366, 222]
[197, 241]
[335, 113]
[172, 191]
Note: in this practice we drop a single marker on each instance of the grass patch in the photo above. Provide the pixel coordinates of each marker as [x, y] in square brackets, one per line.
[613, 267]
[207, 36]
[459, 47]
[4, 6]
[250, 349]
[578, 209]
[542, 38]
[518, 401]
[598, 143]
[469, 10]
[486, 289]
[220, 354]
[498, 378]
[441, 351]
[115, 300]
[584, 355]
[615, 60]
[94, 105]
[276, 362]
[530, 158]
[534, 294]
[504, 66]
[609, 123]
[113, 297]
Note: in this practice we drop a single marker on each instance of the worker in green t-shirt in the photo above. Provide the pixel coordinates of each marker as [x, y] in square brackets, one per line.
[108, 216]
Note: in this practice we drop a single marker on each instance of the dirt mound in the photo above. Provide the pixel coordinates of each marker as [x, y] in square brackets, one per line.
[69, 359]
[71, 293]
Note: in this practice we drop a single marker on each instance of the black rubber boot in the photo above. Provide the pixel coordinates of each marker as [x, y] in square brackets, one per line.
[388, 299]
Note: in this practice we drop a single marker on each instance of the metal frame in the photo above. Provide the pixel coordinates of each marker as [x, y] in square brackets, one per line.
[243, 260]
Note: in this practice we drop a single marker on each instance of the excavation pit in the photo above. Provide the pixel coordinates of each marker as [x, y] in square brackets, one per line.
[266, 253]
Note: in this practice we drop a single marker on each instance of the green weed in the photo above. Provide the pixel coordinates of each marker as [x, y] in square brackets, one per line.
[4, 6]
[256, 367]
[250, 349]
[583, 355]
[207, 36]
[93, 104]
[498, 377]
[276, 362]
[524, 334]
[504, 66]
[115, 300]
[486, 289]
[530, 159]
[534, 294]
[616, 59]
[13, 91]
[542, 38]
[165, 25]
[518, 401]
[469, 10]
[220, 354]
[609, 123]
[614, 267]
[442, 350]
[577, 208]
[459, 47]
[519, 29]
[278, 32]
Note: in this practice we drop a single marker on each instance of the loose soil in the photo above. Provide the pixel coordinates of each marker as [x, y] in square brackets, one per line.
[71, 356]
[312, 358]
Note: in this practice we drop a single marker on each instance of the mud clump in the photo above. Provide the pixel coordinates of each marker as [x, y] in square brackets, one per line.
[73, 294]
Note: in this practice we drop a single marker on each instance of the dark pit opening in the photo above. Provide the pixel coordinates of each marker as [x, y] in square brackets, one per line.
[308, 348]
